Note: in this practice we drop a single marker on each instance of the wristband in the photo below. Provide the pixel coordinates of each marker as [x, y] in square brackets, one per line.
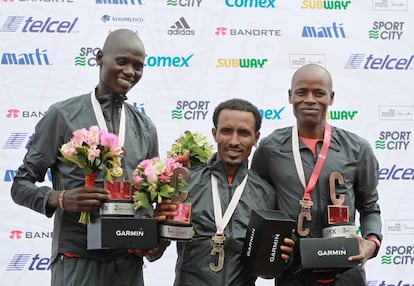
[377, 244]
[60, 198]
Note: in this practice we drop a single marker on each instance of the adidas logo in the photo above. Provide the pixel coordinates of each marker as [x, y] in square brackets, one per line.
[181, 27]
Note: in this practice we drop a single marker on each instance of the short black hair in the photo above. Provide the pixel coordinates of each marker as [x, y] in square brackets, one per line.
[238, 104]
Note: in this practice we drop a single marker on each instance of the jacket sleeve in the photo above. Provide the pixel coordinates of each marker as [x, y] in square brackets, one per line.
[366, 194]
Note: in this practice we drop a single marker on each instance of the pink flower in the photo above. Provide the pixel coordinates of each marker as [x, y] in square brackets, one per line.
[109, 140]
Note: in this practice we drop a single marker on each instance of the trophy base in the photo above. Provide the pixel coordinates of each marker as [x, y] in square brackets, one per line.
[338, 230]
[122, 233]
[115, 208]
[176, 231]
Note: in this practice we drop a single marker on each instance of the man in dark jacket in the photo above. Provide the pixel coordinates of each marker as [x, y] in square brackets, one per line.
[315, 167]
[121, 63]
[226, 177]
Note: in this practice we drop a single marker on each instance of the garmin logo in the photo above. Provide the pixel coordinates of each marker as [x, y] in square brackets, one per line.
[250, 244]
[332, 252]
[274, 247]
[129, 232]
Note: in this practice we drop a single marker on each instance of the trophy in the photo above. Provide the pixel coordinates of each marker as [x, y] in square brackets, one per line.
[117, 227]
[338, 214]
[179, 227]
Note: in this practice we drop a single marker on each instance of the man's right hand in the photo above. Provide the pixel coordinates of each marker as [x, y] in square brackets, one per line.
[164, 209]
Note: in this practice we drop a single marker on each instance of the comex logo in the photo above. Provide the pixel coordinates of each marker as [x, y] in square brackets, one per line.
[356, 61]
[250, 3]
[166, 61]
[13, 23]
[19, 262]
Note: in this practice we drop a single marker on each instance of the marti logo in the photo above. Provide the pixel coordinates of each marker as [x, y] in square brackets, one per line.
[341, 114]
[240, 63]
[29, 262]
[272, 114]
[382, 30]
[184, 3]
[334, 31]
[181, 28]
[325, 4]
[30, 25]
[86, 57]
[167, 61]
[190, 110]
[36, 58]
[398, 255]
[250, 3]
[119, 2]
[393, 140]
[252, 32]
[357, 61]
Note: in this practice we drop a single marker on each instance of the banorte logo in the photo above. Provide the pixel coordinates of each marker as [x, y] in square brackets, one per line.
[398, 255]
[266, 4]
[190, 110]
[15, 234]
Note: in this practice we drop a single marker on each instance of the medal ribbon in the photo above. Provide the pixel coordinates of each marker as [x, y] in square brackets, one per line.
[222, 221]
[308, 188]
[101, 120]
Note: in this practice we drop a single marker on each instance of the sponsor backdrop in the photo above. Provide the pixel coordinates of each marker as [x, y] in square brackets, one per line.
[200, 52]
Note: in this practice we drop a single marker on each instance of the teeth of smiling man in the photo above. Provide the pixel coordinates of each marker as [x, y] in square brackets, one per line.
[124, 81]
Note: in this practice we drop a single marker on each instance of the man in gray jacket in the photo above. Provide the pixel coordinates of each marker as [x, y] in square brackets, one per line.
[316, 168]
[236, 130]
[121, 63]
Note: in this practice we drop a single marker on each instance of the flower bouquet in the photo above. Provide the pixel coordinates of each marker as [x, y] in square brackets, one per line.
[154, 180]
[195, 146]
[93, 150]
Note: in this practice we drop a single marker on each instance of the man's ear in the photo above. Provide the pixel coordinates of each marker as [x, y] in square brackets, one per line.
[98, 58]
[331, 101]
[290, 96]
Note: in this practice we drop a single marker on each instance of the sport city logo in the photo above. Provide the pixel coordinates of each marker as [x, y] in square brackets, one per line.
[357, 61]
[190, 110]
[31, 25]
[382, 30]
[184, 3]
[393, 140]
[398, 255]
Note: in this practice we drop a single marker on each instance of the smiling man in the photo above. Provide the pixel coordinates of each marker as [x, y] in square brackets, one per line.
[121, 63]
[301, 161]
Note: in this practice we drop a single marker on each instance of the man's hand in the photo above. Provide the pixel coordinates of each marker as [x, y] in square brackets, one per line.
[80, 199]
[367, 249]
[164, 209]
[287, 248]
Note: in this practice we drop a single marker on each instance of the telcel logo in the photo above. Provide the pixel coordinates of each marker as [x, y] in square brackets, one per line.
[355, 61]
[23, 261]
[30, 25]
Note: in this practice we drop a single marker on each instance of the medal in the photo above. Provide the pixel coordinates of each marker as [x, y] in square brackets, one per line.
[218, 252]
[305, 213]
[306, 202]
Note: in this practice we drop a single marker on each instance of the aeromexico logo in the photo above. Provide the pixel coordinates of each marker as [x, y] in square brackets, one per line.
[129, 233]
[274, 247]
[332, 252]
